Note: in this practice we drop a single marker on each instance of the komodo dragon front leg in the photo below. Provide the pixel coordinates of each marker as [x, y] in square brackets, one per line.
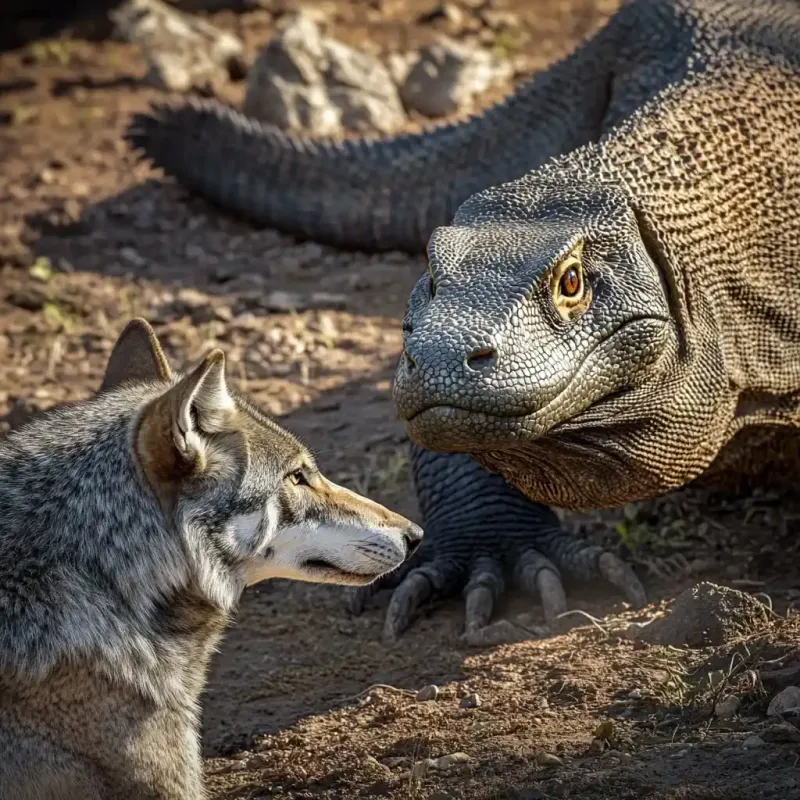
[481, 534]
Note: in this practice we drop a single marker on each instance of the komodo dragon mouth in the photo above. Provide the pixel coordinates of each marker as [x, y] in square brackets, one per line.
[469, 427]
[437, 423]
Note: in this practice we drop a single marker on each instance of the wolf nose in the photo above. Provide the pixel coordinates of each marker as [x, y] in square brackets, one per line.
[412, 537]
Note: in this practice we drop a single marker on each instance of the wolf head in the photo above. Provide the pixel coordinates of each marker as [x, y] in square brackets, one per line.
[247, 494]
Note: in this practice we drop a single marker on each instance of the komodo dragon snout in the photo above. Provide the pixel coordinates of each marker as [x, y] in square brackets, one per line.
[540, 303]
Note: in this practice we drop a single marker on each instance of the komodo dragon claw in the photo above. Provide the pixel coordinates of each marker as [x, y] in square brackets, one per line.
[484, 535]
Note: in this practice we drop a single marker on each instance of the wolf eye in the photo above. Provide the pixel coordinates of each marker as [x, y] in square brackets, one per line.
[298, 478]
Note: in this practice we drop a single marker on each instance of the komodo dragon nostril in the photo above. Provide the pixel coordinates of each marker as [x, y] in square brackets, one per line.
[411, 365]
[482, 359]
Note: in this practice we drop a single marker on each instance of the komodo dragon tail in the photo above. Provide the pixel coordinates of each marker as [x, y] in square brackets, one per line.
[373, 194]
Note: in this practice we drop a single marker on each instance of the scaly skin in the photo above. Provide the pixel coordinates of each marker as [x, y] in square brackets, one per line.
[663, 185]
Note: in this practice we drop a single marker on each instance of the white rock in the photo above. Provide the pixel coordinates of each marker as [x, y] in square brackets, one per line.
[182, 51]
[448, 75]
[304, 81]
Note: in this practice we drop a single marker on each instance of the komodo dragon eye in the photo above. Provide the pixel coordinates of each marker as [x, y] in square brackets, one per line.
[570, 282]
[571, 293]
[432, 282]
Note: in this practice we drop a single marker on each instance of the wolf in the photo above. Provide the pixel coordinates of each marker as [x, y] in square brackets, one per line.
[130, 524]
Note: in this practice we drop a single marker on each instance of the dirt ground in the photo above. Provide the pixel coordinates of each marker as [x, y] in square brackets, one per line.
[305, 701]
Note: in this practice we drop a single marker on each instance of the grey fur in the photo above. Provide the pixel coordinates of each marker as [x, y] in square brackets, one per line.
[115, 587]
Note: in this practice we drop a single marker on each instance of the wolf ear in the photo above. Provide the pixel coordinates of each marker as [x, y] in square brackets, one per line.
[203, 405]
[136, 356]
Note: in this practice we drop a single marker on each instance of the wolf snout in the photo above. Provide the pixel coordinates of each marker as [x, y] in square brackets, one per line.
[412, 537]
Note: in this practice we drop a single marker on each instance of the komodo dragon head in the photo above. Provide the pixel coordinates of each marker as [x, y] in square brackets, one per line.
[543, 342]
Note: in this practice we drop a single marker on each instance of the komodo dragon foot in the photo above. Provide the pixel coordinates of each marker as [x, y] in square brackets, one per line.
[481, 535]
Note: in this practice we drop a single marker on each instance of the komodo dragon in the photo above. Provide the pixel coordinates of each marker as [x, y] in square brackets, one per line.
[617, 323]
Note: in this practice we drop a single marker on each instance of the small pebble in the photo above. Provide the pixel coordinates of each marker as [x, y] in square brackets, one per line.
[445, 762]
[427, 693]
[470, 701]
[727, 708]
[635, 694]
[753, 743]
[548, 760]
[373, 765]
[132, 257]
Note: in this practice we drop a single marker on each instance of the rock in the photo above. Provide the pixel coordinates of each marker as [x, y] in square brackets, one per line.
[182, 52]
[548, 760]
[445, 762]
[280, 301]
[782, 733]
[785, 702]
[375, 768]
[427, 693]
[306, 82]
[132, 257]
[470, 701]
[727, 708]
[704, 615]
[447, 77]
[635, 694]
[753, 743]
